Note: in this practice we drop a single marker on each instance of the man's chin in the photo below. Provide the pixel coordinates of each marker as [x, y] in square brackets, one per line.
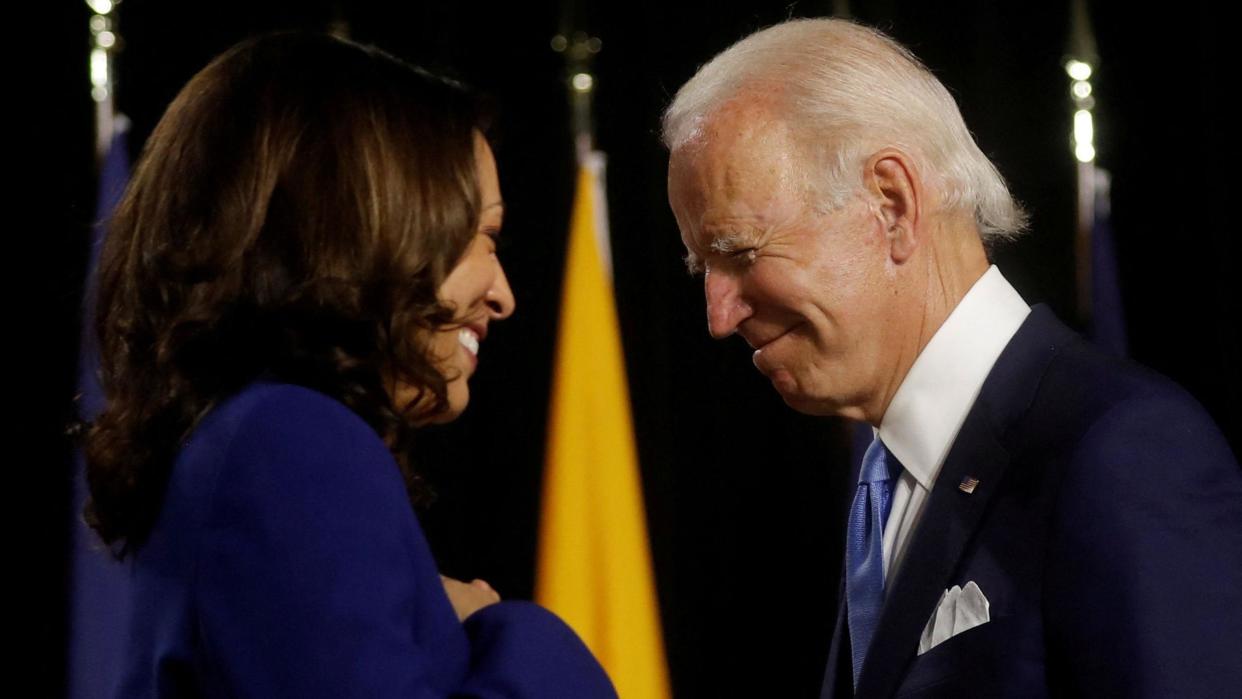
[796, 397]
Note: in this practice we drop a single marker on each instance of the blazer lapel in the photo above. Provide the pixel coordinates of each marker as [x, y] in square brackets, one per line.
[951, 515]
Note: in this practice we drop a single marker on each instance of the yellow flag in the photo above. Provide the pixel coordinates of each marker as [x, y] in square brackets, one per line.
[594, 567]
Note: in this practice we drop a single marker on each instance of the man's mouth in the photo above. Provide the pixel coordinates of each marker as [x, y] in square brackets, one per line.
[760, 343]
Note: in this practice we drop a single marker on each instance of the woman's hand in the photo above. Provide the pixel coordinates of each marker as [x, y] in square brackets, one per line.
[468, 598]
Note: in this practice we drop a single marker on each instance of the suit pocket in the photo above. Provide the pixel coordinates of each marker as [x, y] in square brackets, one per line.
[985, 661]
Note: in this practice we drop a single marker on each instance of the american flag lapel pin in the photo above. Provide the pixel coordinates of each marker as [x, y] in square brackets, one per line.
[968, 484]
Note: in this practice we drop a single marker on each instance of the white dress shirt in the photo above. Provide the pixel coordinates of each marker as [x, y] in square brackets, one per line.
[931, 404]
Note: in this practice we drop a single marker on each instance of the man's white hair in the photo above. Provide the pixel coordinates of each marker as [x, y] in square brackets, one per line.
[846, 91]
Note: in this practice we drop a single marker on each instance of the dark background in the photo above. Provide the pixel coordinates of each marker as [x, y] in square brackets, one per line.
[745, 498]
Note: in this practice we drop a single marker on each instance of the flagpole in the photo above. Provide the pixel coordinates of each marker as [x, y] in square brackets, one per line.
[1080, 66]
[580, 50]
[105, 44]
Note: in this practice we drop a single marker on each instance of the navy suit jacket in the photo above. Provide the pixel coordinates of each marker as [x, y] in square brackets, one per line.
[1105, 531]
[287, 562]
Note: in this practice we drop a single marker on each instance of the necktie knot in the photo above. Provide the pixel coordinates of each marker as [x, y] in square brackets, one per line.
[876, 464]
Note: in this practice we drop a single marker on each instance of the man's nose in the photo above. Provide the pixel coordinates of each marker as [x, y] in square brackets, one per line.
[725, 306]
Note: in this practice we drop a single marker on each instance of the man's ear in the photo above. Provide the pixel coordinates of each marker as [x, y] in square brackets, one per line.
[894, 184]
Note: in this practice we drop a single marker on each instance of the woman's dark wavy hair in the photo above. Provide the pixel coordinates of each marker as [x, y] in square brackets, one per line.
[292, 216]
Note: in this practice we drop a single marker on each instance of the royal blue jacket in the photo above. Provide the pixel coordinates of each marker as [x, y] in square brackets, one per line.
[288, 562]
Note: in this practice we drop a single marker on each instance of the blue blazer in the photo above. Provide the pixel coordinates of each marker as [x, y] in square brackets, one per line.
[287, 562]
[1105, 531]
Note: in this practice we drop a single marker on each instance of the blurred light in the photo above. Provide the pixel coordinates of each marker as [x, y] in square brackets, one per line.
[1084, 135]
[1081, 89]
[1078, 70]
[583, 82]
[559, 43]
[594, 45]
[103, 7]
[106, 39]
[1084, 129]
[99, 93]
[98, 23]
[99, 67]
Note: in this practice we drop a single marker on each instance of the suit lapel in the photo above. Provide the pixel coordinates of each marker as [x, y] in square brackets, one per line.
[951, 516]
[943, 532]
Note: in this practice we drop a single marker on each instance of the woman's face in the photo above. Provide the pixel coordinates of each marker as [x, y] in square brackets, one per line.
[476, 289]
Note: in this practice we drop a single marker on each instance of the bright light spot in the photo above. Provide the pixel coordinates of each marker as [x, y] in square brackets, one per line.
[583, 82]
[1078, 70]
[99, 93]
[1084, 129]
[1084, 135]
[98, 23]
[1081, 89]
[103, 7]
[99, 67]
[107, 39]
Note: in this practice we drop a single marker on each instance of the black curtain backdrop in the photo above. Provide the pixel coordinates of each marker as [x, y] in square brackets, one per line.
[745, 498]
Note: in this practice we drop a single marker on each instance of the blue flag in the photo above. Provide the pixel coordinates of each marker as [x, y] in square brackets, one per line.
[1108, 324]
[98, 594]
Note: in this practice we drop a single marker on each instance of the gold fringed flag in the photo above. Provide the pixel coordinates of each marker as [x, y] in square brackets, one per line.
[594, 567]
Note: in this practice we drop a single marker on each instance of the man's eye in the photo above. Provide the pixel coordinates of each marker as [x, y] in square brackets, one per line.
[744, 256]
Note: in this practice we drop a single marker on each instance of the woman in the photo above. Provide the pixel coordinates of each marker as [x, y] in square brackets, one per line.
[300, 274]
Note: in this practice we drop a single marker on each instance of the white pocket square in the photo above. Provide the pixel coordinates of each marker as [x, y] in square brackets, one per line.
[959, 609]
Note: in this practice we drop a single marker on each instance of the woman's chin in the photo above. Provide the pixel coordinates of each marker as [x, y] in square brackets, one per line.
[445, 416]
[455, 403]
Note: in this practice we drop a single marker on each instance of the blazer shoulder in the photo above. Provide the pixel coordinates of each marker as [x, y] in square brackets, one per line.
[290, 419]
[1107, 395]
[1110, 421]
[271, 405]
[270, 435]
[1052, 388]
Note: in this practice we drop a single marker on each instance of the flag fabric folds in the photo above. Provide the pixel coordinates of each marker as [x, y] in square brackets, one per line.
[594, 568]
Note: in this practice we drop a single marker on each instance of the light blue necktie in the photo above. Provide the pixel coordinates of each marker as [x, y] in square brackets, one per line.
[864, 547]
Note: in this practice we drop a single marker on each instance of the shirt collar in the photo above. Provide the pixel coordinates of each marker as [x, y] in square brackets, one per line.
[930, 405]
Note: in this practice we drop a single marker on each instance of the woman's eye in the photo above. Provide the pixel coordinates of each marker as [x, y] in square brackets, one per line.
[492, 239]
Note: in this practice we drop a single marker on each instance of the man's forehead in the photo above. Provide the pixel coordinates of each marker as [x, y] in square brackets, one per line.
[741, 152]
[738, 124]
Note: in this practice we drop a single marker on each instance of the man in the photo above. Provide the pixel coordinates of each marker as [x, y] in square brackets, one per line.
[1034, 518]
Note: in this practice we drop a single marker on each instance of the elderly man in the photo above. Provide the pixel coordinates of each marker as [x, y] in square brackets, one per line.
[1033, 518]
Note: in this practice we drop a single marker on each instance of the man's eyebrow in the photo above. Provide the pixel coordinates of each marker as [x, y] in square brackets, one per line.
[725, 243]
